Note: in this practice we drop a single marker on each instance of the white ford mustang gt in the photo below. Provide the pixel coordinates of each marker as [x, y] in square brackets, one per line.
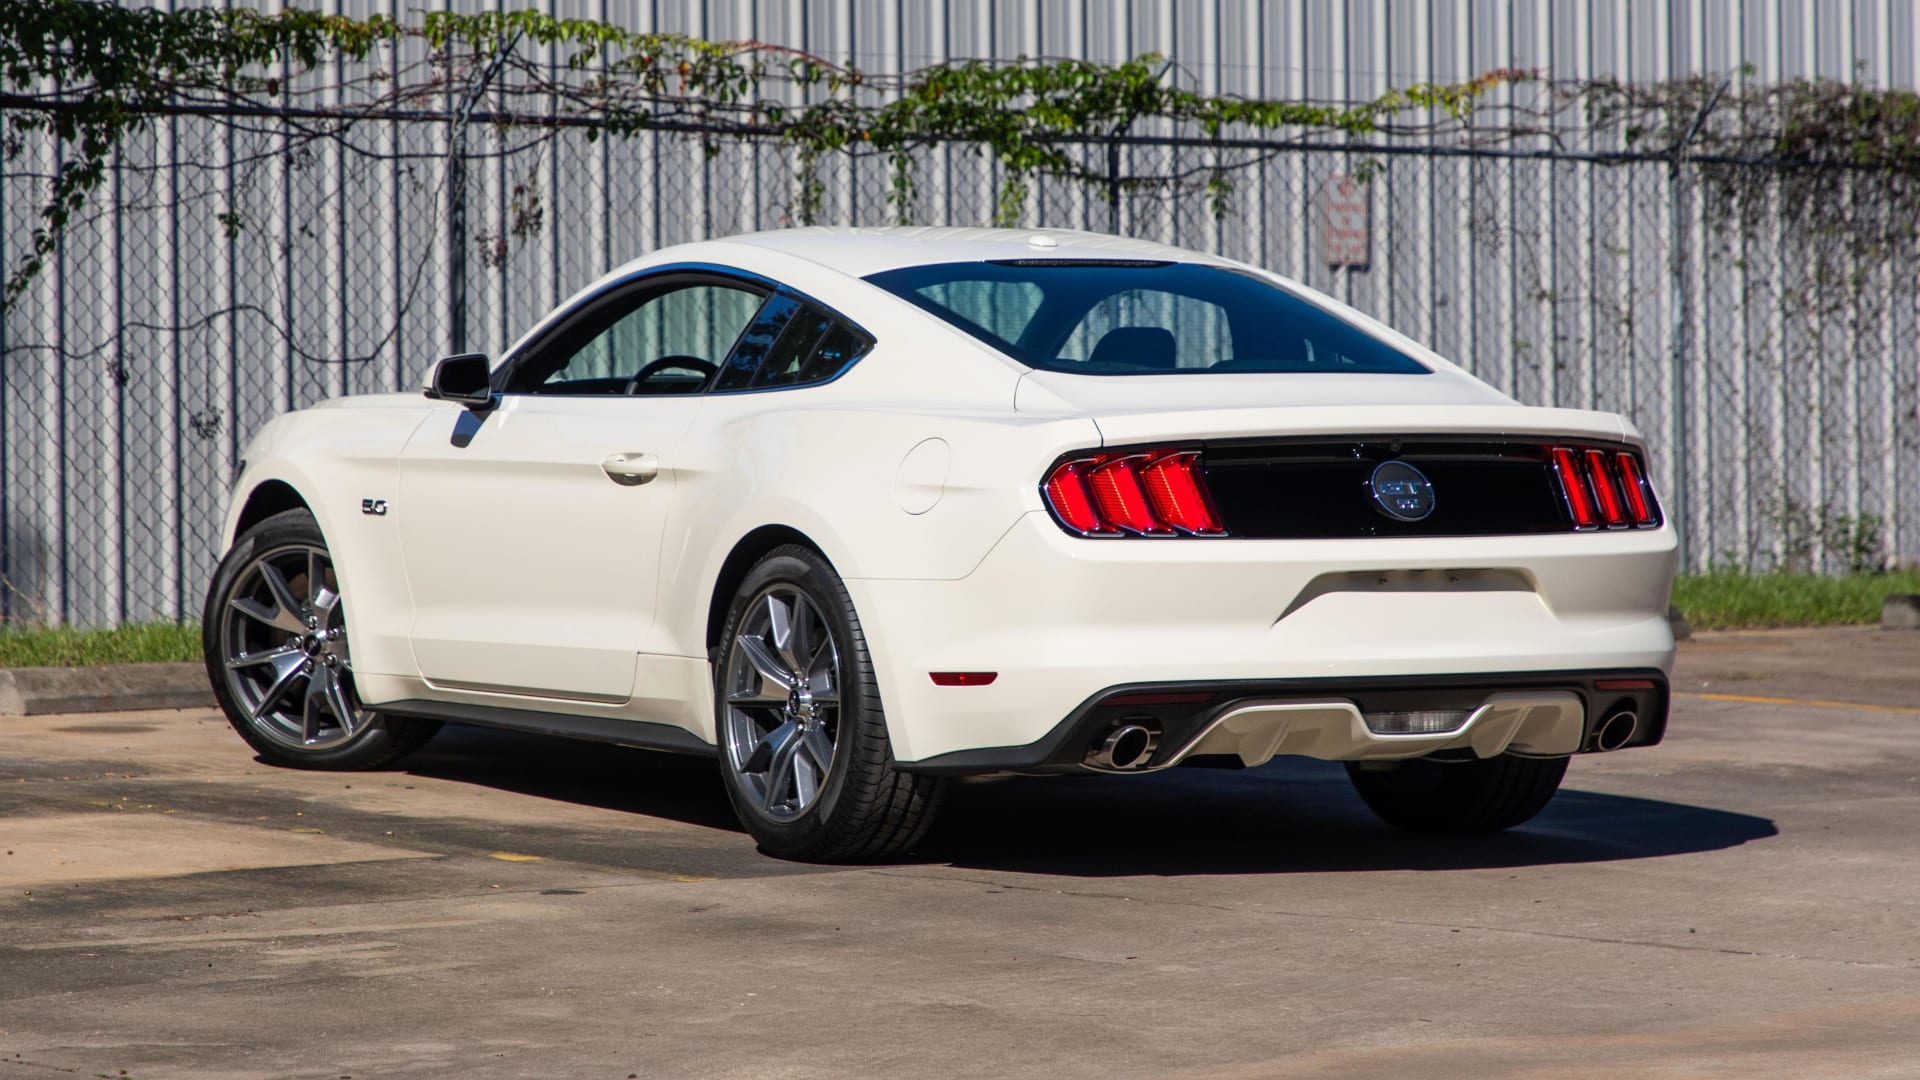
[858, 510]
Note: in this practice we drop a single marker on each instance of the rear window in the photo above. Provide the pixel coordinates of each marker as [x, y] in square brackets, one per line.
[1103, 317]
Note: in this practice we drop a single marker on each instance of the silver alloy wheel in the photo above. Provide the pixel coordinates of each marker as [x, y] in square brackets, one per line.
[284, 644]
[782, 702]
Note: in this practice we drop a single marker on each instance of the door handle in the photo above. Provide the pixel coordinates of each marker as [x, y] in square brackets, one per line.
[631, 470]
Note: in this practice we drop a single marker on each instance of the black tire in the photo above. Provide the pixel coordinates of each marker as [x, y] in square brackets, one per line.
[864, 810]
[1457, 797]
[364, 739]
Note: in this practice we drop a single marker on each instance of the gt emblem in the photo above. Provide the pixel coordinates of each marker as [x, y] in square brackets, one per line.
[376, 507]
[1401, 491]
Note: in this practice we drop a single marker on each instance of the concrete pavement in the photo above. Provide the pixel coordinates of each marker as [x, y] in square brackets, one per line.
[1741, 901]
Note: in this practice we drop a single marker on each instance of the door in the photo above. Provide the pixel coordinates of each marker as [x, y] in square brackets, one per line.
[531, 533]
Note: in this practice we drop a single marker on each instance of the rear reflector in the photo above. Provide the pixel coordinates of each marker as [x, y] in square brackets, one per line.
[963, 678]
[1157, 493]
[1623, 684]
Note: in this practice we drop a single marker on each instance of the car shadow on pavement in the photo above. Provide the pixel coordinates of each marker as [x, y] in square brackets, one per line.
[1289, 816]
[676, 786]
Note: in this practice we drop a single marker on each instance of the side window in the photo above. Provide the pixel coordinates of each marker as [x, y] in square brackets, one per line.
[676, 335]
[787, 361]
[792, 343]
[758, 340]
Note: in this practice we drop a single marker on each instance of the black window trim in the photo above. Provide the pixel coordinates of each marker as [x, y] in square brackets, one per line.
[768, 287]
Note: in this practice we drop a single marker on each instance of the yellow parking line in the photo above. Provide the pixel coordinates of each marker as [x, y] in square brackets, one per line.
[1803, 701]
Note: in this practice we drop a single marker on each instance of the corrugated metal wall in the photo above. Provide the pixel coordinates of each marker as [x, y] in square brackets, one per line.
[161, 338]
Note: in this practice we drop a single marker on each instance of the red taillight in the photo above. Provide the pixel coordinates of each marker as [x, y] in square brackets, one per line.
[1639, 497]
[1178, 496]
[1067, 492]
[1603, 487]
[1118, 496]
[1150, 493]
[1611, 506]
[1574, 486]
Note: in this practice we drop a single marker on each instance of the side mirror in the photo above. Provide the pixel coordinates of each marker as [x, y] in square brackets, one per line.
[465, 378]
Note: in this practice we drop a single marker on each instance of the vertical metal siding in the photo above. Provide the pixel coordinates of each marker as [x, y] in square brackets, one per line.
[1549, 280]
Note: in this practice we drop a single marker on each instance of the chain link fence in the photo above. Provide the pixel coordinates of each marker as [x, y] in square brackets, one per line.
[239, 266]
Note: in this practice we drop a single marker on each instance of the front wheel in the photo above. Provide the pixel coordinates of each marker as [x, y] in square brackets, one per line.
[1484, 796]
[803, 741]
[275, 637]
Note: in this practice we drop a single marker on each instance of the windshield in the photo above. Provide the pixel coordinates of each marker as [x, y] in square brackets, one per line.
[1102, 317]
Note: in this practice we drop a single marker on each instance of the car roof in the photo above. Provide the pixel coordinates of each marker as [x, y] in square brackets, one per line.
[860, 251]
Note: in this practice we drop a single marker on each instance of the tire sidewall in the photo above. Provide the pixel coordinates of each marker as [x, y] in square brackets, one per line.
[807, 571]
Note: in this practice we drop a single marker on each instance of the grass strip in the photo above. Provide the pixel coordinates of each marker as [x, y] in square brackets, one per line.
[1734, 600]
[65, 646]
[1720, 600]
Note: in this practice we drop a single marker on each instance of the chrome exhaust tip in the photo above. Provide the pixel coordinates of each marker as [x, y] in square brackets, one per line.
[1125, 747]
[1616, 730]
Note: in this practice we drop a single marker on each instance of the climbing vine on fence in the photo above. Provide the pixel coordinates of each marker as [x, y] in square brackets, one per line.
[95, 74]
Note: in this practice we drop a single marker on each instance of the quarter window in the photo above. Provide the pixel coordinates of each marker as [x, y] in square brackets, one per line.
[792, 343]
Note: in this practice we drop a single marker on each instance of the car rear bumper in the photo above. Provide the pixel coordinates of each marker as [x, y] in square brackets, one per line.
[1062, 620]
[1534, 714]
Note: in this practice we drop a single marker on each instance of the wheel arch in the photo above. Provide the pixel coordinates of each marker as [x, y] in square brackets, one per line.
[267, 498]
[747, 551]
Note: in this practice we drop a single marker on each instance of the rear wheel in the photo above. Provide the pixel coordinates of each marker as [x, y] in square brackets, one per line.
[803, 741]
[275, 637]
[1483, 796]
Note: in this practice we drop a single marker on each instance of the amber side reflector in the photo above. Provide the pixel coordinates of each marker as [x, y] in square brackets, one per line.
[1623, 684]
[963, 678]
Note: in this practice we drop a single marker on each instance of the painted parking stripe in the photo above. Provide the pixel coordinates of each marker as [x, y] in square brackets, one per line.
[1814, 703]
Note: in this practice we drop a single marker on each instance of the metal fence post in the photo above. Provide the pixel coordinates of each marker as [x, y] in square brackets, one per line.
[457, 195]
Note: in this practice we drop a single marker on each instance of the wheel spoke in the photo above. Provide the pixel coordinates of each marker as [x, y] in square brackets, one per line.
[315, 706]
[785, 744]
[819, 749]
[806, 781]
[270, 656]
[820, 674]
[780, 628]
[336, 692]
[278, 618]
[767, 665]
[283, 680]
[289, 616]
[796, 648]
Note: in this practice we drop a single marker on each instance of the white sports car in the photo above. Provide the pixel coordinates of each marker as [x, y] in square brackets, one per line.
[858, 510]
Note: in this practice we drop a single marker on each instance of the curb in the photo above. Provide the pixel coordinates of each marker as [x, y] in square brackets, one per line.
[43, 691]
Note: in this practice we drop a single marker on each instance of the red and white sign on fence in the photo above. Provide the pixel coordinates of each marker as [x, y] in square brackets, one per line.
[1345, 211]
